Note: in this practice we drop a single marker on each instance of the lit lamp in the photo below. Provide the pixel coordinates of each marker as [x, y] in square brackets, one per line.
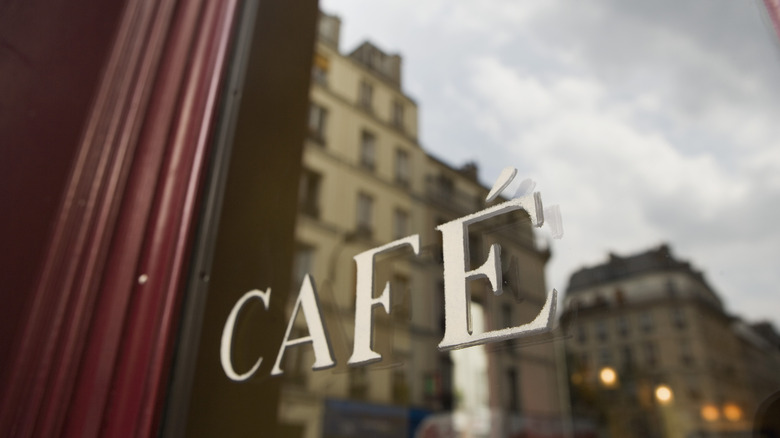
[732, 412]
[608, 377]
[710, 412]
[663, 394]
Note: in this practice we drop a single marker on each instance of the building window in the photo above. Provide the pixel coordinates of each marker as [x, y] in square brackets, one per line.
[506, 321]
[584, 361]
[295, 360]
[671, 288]
[367, 150]
[601, 330]
[365, 95]
[620, 297]
[605, 357]
[400, 223]
[358, 383]
[475, 250]
[445, 186]
[309, 193]
[686, 356]
[582, 334]
[622, 325]
[302, 264]
[513, 402]
[398, 114]
[400, 388]
[651, 358]
[506, 315]
[678, 317]
[628, 357]
[402, 171]
[317, 119]
[402, 298]
[646, 321]
[319, 72]
[365, 207]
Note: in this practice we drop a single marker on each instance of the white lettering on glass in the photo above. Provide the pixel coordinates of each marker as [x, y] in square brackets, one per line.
[457, 297]
[363, 352]
[227, 336]
[458, 332]
[308, 302]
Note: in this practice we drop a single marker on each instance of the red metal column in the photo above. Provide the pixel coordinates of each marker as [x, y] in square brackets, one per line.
[93, 348]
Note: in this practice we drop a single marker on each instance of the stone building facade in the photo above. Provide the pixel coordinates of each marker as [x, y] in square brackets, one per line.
[645, 322]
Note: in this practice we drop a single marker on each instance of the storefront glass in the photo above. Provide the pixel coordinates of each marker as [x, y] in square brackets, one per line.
[353, 277]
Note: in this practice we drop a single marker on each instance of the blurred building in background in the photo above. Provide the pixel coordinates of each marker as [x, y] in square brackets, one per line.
[367, 181]
[653, 353]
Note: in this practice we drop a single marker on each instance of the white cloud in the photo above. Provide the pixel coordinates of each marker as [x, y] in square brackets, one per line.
[620, 187]
[646, 121]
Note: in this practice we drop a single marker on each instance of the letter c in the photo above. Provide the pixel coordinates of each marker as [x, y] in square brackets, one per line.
[227, 336]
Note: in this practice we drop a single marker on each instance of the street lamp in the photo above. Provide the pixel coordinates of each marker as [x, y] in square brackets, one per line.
[663, 394]
[732, 412]
[608, 377]
[710, 412]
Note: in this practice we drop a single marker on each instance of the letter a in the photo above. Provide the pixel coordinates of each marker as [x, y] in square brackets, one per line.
[308, 302]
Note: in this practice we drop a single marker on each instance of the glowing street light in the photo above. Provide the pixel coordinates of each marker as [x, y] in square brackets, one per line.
[710, 412]
[608, 377]
[732, 412]
[663, 394]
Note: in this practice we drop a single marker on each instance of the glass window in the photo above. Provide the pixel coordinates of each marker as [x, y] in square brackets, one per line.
[584, 359]
[678, 317]
[686, 355]
[605, 357]
[400, 223]
[402, 169]
[319, 74]
[317, 120]
[646, 321]
[402, 305]
[628, 356]
[622, 325]
[513, 387]
[601, 330]
[365, 211]
[400, 387]
[367, 150]
[398, 114]
[513, 402]
[309, 193]
[358, 383]
[582, 333]
[303, 263]
[365, 95]
[650, 354]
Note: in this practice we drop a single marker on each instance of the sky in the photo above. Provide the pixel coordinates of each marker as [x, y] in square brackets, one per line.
[646, 122]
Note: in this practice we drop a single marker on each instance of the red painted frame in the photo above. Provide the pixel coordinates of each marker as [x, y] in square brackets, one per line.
[93, 350]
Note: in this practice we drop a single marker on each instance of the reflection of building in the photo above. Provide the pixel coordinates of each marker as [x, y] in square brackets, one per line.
[362, 168]
[657, 323]
[521, 378]
[367, 182]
